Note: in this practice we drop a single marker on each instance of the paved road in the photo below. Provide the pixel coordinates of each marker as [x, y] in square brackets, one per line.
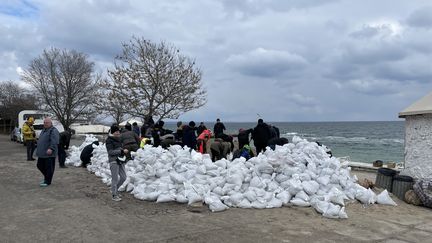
[77, 208]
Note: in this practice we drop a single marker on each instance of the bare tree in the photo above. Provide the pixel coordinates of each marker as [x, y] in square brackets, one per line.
[108, 105]
[14, 99]
[65, 82]
[155, 80]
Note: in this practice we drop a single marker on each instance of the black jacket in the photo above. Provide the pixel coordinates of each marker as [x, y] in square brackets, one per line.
[243, 137]
[218, 128]
[261, 134]
[189, 137]
[87, 152]
[64, 140]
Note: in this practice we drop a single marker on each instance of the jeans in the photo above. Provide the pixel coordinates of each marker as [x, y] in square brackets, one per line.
[30, 144]
[61, 156]
[46, 166]
[116, 171]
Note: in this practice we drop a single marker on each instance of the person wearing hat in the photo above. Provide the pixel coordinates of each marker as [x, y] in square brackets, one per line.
[115, 154]
[29, 136]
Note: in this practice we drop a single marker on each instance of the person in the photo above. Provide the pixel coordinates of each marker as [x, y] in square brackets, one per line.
[29, 136]
[87, 154]
[202, 141]
[136, 128]
[201, 128]
[65, 137]
[129, 140]
[227, 138]
[261, 135]
[219, 149]
[179, 133]
[147, 126]
[46, 151]
[117, 167]
[245, 152]
[218, 128]
[157, 132]
[145, 141]
[243, 137]
[274, 132]
[276, 141]
[189, 136]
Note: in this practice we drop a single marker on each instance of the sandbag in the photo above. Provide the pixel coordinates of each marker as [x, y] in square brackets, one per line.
[384, 198]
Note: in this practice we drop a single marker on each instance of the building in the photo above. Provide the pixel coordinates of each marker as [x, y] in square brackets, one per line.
[418, 138]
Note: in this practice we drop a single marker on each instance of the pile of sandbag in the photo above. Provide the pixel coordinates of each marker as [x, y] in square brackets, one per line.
[300, 173]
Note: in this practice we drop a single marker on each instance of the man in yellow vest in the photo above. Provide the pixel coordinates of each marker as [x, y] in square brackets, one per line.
[29, 137]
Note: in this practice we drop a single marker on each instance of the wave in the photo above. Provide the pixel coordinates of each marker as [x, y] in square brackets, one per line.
[340, 139]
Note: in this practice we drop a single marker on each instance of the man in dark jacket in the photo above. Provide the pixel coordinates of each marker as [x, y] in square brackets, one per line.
[243, 137]
[136, 128]
[146, 127]
[87, 153]
[47, 149]
[189, 135]
[218, 128]
[261, 135]
[64, 141]
[129, 140]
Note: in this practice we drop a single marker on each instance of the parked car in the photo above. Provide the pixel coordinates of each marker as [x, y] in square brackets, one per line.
[15, 135]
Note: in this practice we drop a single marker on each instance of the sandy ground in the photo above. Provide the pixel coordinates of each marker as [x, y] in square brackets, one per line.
[77, 207]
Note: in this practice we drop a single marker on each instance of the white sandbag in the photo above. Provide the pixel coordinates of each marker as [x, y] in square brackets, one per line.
[193, 198]
[332, 211]
[244, 204]
[384, 198]
[343, 214]
[321, 206]
[310, 187]
[300, 202]
[165, 198]
[274, 203]
[336, 196]
[303, 196]
[284, 196]
[365, 196]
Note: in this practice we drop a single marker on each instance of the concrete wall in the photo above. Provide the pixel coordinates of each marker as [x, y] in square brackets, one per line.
[418, 146]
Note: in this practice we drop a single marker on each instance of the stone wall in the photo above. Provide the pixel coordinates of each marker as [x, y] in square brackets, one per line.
[418, 146]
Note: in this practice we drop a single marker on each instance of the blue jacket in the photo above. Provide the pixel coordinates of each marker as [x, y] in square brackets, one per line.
[49, 138]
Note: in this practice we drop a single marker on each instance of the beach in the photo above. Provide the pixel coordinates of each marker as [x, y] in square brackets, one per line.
[77, 207]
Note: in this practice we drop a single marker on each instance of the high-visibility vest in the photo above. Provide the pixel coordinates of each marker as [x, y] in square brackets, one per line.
[144, 141]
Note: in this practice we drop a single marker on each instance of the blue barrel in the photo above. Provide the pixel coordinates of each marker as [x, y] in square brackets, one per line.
[384, 178]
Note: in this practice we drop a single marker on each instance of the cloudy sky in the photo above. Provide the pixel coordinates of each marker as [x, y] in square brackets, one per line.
[286, 60]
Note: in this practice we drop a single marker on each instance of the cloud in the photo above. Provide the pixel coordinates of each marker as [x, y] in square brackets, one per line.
[421, 18]
[266, 63]
[281, 59]
[370, 87]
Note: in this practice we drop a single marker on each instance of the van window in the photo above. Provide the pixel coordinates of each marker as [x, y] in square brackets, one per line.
[35, 116]
[38, 127]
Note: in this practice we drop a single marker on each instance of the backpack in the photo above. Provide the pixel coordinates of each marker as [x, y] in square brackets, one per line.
[245, 153]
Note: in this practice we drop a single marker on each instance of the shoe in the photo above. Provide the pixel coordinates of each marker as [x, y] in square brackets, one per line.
[32, 159]
[116, 198]
[43, 184]
[63, 166]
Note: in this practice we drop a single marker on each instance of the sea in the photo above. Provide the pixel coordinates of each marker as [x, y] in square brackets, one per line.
[355, 141]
